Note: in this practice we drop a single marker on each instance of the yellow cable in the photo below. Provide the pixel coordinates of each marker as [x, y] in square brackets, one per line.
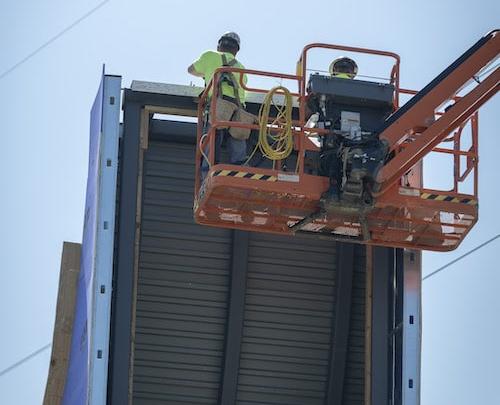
[276, 137]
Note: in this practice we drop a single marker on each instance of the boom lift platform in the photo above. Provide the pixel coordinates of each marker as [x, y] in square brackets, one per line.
[378, 145]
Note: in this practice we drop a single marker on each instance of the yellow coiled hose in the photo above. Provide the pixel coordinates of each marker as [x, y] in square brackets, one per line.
[275, 137]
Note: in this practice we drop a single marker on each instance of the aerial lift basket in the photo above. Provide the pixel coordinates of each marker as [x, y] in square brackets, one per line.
[396, 210]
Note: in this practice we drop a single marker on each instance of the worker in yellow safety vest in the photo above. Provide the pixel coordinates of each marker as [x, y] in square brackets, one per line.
[230, 89]
[343, 68]
[205, 66]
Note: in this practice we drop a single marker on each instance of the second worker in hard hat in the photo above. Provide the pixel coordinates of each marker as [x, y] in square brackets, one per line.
[343, 68]
[230, 90]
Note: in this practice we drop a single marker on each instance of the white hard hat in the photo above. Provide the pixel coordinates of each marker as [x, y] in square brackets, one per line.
[232, 36]
[343, 65]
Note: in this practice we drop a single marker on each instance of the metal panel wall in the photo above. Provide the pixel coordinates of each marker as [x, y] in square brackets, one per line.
[183, 294]
[212, 316]
[288, 316]
[182, 288]
[353, 392]
[209, 316]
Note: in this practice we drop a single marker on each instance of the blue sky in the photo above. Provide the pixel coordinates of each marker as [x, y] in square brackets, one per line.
[44, 124]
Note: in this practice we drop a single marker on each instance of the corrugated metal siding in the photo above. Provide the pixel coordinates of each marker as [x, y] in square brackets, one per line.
[354, 374]
[182, 298]
[288, 318]
[181, 289]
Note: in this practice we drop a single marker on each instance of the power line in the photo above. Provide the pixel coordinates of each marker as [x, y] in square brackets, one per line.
[60, 34]
[461, 257]
[5, 73]
[15, 365]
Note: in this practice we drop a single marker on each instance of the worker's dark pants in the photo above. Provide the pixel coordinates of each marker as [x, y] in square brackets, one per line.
[331, 166]
[237, 150]
[237, 147]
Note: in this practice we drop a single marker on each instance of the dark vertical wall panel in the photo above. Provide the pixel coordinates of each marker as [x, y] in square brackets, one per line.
[397, 326]
[121, 308]
[383, 264]
[340, 331]
[236, 312]
[353, 393]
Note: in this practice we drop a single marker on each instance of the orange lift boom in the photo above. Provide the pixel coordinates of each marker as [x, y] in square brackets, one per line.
[389, 205]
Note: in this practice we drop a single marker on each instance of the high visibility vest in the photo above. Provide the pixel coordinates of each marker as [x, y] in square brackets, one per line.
[342, 75]
[209, 61]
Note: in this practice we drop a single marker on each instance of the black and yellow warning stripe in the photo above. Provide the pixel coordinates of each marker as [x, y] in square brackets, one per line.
[244, 175]
[448, 198]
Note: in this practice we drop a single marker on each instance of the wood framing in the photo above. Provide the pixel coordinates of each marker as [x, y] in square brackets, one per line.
[63, 326]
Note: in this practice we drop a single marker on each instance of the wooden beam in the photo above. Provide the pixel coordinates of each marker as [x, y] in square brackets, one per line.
[63, 326]
[186, 112]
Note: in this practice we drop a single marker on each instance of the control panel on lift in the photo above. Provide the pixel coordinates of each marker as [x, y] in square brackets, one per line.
[351, 111]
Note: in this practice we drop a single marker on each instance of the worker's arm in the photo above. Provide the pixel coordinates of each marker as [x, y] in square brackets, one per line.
[194, 72]
[199, 67]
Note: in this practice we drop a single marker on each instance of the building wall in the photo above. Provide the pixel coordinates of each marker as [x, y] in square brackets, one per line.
[181, 318]
[202, 315]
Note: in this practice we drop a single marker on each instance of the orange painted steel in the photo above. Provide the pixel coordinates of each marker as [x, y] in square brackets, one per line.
[448, 88]
[404, 214]
[273, 206]
[461, 111]
[303, 64]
